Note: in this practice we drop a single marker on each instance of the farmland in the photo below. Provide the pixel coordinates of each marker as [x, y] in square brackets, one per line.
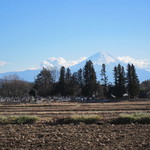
[45, 135]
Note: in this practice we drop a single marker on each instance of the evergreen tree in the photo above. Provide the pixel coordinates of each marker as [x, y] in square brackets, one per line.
[129, 79]
[44, 83]
[80, 81]
[119, 80]
[136, 83]
[90, 83]
[122, 81]
[145, 89]
[61, 83]
[114, 89]
[74, 86]
[68, 76]
[80, 77]
[68, 82]
[132, 81]
[115, 76]
[104, 79]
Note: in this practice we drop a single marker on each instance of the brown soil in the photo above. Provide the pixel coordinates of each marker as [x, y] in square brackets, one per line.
[75, 137]
[44, 136]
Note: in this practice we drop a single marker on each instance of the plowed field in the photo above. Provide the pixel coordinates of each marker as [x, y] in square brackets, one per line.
[43, 135]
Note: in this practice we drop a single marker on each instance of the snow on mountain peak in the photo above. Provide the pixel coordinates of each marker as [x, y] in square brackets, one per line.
[102, 58]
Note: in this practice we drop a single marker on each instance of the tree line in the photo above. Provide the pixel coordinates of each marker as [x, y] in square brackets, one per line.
[82, 83]
[13, 86]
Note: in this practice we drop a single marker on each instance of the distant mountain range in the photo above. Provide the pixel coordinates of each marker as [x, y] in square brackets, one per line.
[98, 59]
[27, 75]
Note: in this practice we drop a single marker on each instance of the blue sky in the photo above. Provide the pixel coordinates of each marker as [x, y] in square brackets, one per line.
[32, 31]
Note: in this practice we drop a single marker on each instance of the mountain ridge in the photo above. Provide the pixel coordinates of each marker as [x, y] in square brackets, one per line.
[98, 59]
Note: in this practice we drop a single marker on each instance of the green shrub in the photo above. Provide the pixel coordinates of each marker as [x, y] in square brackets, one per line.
[26, 119]
[2, 119]
[18, 119]
[76, 119]
[143, 118]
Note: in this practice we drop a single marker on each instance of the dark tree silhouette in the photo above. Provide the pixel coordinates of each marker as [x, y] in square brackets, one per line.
[132, 81]
[44, 83]
[61, 88]
[90, 83]
[119, 81]
[104, 79]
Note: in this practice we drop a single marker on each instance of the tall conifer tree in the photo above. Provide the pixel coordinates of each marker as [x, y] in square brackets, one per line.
[80, 81]
[44, 83]
[68, 82]
[104, 79]
[119, 80]
[132, 81]
[61, 82]
[90, 83]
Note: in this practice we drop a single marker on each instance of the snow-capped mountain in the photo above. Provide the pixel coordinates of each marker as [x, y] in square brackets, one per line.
[98, 59]
[103, 58]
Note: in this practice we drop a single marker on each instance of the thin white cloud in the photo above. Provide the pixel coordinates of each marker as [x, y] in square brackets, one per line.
[2, 63]
[140, 63]
[25, 69]
[33, 68]
[60, 61]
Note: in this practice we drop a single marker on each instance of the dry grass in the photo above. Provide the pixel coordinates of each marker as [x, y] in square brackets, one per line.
[143, 118]
[106, 110]
[18, 119]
